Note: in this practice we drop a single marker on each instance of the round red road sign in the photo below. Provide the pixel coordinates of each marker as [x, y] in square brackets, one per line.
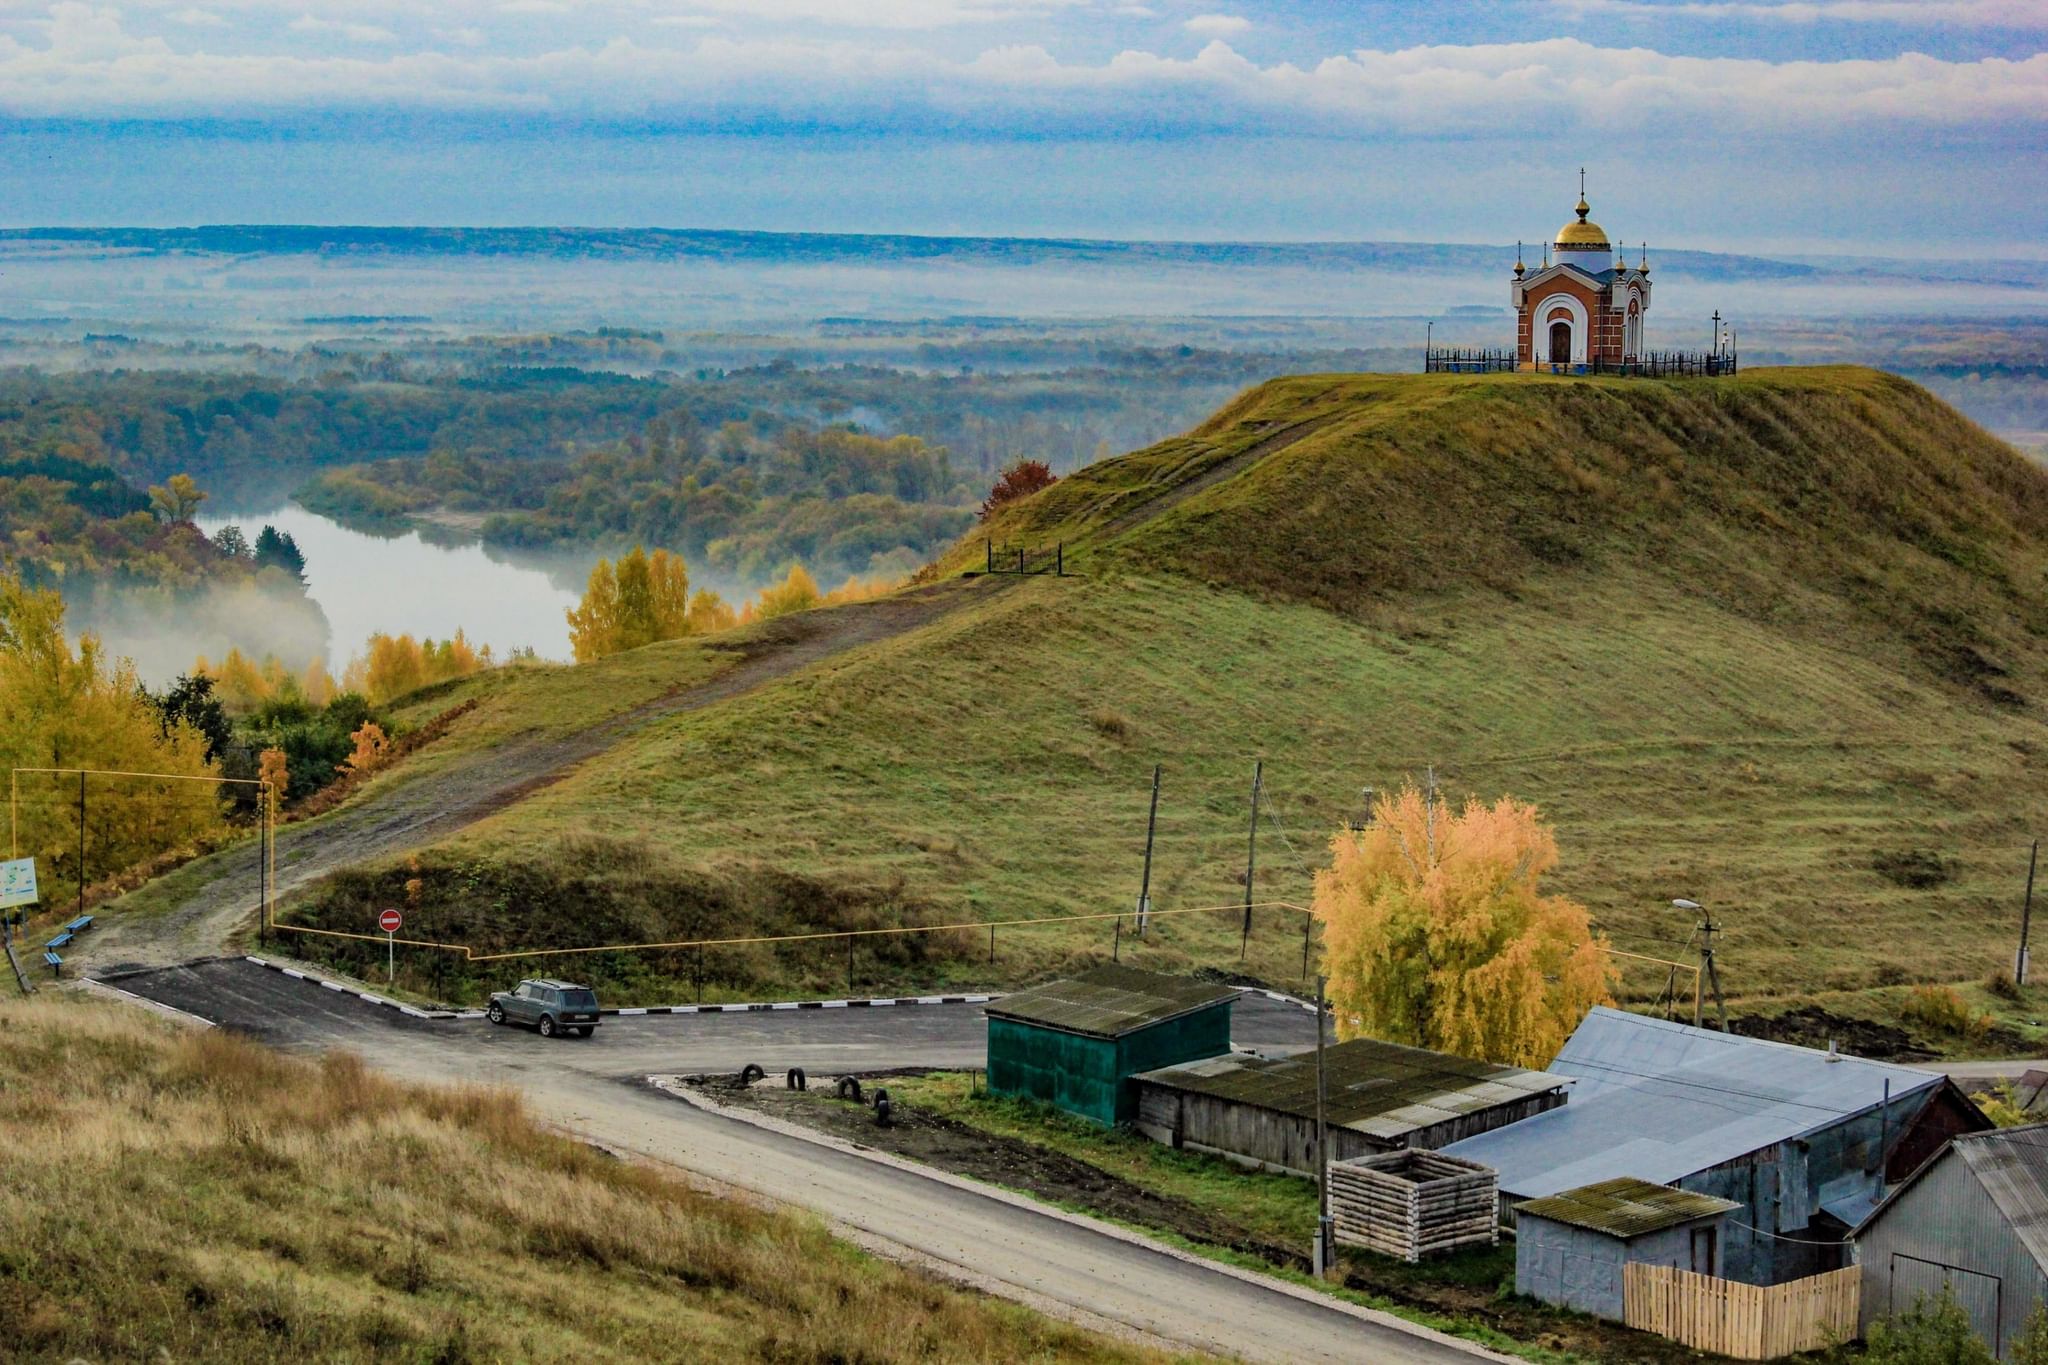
[389, 921]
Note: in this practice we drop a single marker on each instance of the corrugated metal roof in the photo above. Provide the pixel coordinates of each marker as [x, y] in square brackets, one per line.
[1662, 1101]
[2012, 1165]
[1110, 1001]
[1626, 1207]
[1374, 1087]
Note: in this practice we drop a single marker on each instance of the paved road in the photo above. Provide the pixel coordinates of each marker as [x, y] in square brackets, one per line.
[597, 1087]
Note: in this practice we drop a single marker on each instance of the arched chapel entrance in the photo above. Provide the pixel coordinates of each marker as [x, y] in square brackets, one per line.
[1560, 342]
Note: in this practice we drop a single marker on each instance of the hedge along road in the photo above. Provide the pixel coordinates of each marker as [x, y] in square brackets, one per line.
[411, 814]
[597, 1088]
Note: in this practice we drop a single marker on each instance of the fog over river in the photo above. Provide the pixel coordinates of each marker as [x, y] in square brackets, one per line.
[407, 585]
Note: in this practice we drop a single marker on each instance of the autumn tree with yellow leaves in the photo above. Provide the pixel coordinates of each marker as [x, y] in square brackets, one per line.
[1437, 932]
[643, 599]
[66, 706]
[372, 748]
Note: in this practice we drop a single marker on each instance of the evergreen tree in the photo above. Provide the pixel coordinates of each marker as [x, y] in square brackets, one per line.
[191, 701]
[276, 549]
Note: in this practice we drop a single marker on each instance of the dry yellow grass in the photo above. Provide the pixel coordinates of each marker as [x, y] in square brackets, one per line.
[176, 1195]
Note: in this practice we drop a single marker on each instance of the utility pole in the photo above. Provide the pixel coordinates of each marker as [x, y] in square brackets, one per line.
[1145, 886]
[1251, 860]
[81, 842]
[1708, 975]
[263, 868]
[2019, 962]
[1321, 1258]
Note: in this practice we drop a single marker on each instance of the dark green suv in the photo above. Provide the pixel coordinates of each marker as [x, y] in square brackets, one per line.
[553, 1007]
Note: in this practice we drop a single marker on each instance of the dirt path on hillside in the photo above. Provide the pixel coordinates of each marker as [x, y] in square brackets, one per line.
[418, 812]
[1178, 493]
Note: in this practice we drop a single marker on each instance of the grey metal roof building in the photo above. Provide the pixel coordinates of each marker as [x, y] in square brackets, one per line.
[1574, 1248]
[1793, 1133]
[1378, 1097]
[1974, 1218]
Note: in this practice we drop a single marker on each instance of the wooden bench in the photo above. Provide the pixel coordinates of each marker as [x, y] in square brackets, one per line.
[60, 940]
[79, 925]
[56, 963]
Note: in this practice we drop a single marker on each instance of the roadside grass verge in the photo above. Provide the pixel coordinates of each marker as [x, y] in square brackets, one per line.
[192, 1195]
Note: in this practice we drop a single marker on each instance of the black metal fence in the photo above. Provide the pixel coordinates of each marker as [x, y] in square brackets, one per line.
[1453, 360]
[1667, 365]
[1027, 559]
[1650, 365]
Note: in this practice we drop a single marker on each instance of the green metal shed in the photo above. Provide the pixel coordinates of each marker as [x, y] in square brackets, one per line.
[1076, 1043]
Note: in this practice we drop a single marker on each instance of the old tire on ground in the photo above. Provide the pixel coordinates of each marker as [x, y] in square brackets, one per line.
[796, 1080]
[881, 1108]
[547, 1026]
[750, 1073]
[496, 1013]
[848, 1088]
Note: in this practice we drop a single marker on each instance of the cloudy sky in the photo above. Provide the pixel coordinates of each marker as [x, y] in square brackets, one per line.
[1900, 126]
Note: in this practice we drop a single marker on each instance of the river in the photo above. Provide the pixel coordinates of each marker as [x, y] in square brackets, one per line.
[406, 585]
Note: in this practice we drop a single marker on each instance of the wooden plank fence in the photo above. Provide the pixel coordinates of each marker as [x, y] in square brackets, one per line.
[1411, 1204]
[1746, 1321]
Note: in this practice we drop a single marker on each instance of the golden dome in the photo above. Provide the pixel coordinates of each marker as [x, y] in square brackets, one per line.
[1582, 234]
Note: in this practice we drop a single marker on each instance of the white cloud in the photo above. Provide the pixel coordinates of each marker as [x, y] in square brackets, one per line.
[1217, 25]
[873, 14]
[2017, 14]
[685, 21]
[462, 37]
[341, 28]
[199, 18]
[90, 65]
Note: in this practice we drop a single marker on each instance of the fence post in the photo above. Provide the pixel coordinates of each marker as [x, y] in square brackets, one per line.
[989, 547]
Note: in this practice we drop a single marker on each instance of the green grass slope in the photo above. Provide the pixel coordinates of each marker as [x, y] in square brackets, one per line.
[1776, 643]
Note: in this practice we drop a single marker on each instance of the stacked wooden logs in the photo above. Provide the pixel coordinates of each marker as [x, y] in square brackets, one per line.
[1412, 1204]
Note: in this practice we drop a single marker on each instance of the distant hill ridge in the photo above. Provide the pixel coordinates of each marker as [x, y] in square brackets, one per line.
[817, 247]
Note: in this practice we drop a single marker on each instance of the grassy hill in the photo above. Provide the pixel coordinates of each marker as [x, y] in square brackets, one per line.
[176, 1195]
[1775, 643]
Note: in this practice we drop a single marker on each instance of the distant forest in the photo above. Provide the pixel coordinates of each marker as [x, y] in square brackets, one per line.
[850, 469]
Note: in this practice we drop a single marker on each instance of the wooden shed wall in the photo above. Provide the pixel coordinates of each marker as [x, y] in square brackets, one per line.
[1283, 1141]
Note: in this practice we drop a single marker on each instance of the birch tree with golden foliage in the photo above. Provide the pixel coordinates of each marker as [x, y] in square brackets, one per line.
[66, 707]
[1437, 933]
